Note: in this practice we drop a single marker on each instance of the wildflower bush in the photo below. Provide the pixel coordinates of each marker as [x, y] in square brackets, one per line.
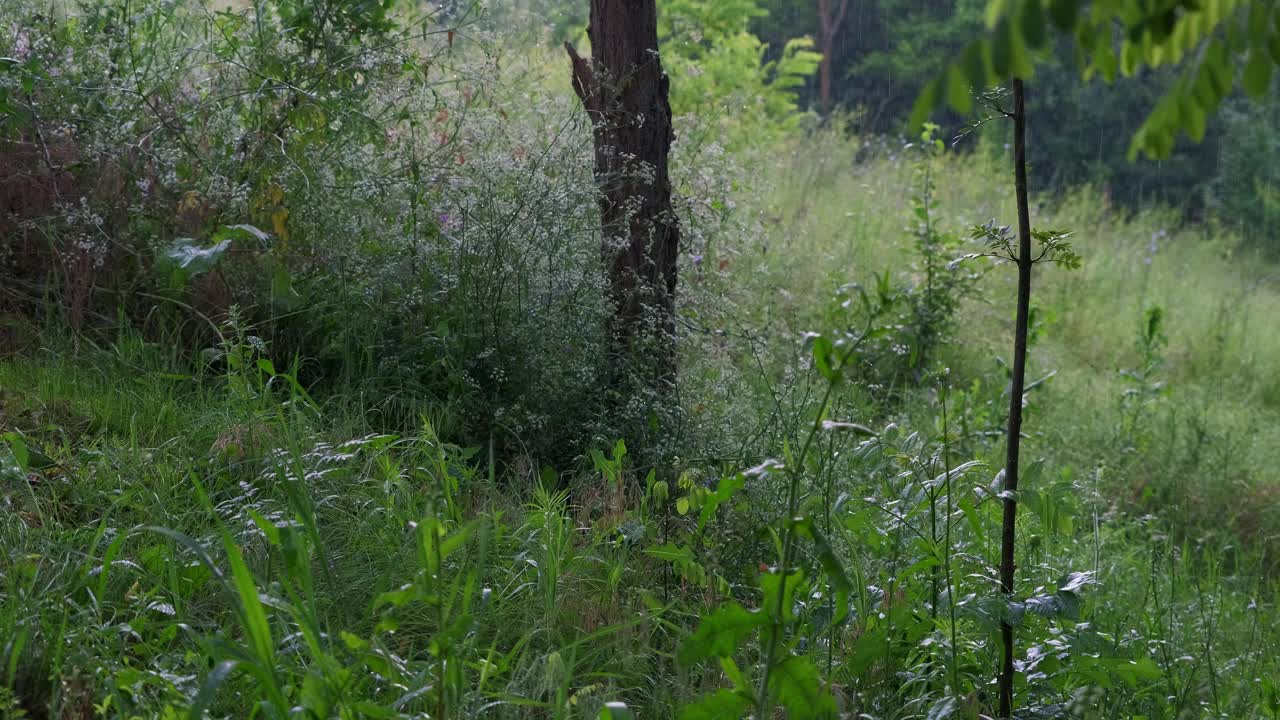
[353, 183]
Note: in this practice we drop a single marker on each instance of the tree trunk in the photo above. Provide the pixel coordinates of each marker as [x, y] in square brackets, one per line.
[1017, 385]
[828, 24]
[625, 93]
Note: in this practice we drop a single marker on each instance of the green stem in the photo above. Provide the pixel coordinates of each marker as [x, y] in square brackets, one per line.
[946, 557]
[788, 536]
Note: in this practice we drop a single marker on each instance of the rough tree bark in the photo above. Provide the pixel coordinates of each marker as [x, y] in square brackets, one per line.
[828, 24]
[625, 93]
[1014, 435]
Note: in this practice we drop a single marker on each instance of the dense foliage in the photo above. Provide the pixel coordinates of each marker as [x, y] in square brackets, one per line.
[887, 52]
[303, 412]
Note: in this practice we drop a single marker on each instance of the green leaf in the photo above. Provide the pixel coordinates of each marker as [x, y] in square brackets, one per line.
[1257, 74]
[720, 633]
[1273, 46]
[1218, 64]
[1002, 61]
[867, 649]
[352, 641]
[959, 95]
[976, 66]
[728, 486]
[824, 357]
[1104, 59]
[770, 585]
[18, 448]
[1193, 118]
[671, 552]
[831, 564]
[924, 106]
[796, 684]
[1064, 13]
[254, 616]
[1032, 24]
[996, 11]
[719, 705]
[282, 292]
[1259, 23]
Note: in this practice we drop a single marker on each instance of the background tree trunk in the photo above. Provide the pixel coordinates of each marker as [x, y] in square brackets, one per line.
[828, 25]
[625, 92]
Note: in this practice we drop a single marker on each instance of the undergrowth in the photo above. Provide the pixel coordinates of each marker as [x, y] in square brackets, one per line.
[330, 444]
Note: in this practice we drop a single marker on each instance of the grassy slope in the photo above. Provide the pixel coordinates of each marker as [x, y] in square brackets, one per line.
[1221, 368]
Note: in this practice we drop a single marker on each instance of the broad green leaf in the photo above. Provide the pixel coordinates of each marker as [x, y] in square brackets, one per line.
[1032, 24]
[720, 633]
[1104, 60]
[1273, 46]
[796, 684]
[927, 101]
[282, 292]
[27, 457]
[959, 93]
[1259, 23]
[719, 705]
[735, 674]
[976, 65]
[670, 552]
[1257, 74]
[1193, 119]
[867, 649]
[1219, 65]
[824, 357]
[1130, 58]
[728, 486]
[352, 641]
[1002, 49]
[18, 449]
[772, 586]
[996, 11]
[831, 565]
[1064, 13]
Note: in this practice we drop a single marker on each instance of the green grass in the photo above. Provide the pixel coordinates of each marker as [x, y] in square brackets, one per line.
[193, 545]
[841, 221]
